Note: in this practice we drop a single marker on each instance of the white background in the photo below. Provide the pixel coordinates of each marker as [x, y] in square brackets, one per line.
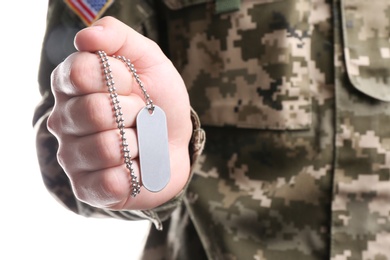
[32, 224]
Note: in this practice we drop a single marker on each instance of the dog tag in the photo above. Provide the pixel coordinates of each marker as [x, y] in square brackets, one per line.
[153, 149]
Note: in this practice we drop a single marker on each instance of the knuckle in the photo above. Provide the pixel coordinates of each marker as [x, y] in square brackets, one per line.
[61, 157]
[52, 123]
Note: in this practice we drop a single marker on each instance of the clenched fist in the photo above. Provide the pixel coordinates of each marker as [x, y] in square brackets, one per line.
[83, 121]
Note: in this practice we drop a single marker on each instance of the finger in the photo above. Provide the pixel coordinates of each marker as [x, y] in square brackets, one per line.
[85, 115]
[106, 188]
[96, 152]
[110, 188]
[116, 38]
[82, 73]
[153, 67]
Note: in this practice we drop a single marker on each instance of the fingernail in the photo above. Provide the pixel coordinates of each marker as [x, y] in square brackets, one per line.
[96, 27]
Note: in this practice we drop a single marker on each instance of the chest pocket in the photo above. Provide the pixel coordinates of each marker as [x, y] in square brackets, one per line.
[246, 68]
[366, 33]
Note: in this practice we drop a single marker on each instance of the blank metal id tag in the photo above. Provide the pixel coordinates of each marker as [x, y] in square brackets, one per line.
[153, 149]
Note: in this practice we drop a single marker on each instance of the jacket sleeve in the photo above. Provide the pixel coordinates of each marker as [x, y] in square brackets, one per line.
[62, 25]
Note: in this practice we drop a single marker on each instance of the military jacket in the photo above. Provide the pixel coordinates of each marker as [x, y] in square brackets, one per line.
[293, 96]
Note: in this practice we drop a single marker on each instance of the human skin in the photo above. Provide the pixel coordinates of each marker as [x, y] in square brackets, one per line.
[83, 121]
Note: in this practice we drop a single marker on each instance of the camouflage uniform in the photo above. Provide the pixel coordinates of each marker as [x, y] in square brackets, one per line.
[294, 98]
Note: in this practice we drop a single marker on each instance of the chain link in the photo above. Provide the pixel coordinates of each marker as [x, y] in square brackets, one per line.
[149, 102]
[135, 186]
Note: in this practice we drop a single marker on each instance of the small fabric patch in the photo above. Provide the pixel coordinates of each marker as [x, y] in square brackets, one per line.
[89, 10]
[226, 6]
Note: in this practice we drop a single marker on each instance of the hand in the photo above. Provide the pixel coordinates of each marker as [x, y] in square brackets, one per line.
[84, 124]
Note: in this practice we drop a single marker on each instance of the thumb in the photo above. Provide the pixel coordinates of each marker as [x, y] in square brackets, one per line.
[116, 38]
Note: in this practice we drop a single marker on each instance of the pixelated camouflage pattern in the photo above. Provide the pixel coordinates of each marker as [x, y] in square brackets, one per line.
[361, 202]
[291, 94]
[367, 62]
[258, 193]
[179, 4]
[263, 84]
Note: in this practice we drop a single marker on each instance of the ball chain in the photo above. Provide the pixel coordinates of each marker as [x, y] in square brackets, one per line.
[135, 185]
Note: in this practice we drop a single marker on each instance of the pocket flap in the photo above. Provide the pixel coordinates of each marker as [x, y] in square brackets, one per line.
[366, 33]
